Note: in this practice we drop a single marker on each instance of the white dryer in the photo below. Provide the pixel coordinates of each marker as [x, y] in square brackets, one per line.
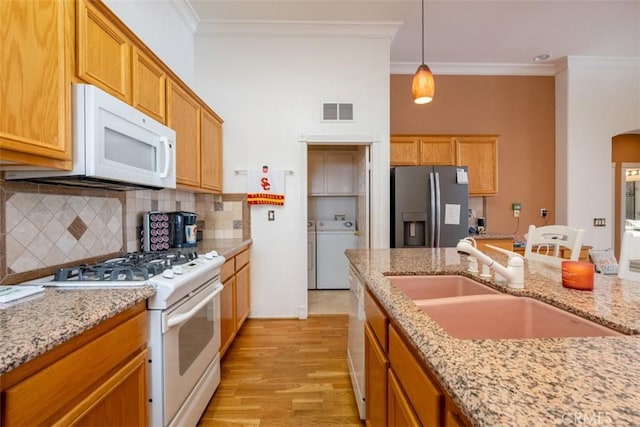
[311, 254]
[332, 239]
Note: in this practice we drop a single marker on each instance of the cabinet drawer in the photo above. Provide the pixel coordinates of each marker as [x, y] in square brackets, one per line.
[227, 270]
[53, 391]
[242, 259]
[377, 318]
[425, 397]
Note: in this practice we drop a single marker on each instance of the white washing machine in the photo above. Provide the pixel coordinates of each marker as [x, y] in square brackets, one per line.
[332, 239]
[311, 254]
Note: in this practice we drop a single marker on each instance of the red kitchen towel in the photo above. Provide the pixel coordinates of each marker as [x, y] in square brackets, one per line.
[265, 187]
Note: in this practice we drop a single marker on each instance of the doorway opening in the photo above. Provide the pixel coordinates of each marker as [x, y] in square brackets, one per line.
[338, 210]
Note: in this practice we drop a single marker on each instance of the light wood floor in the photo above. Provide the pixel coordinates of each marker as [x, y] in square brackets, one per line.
[286, 373]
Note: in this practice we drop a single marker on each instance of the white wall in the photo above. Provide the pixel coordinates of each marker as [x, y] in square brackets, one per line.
[268, 90]
[165, 27]
[596, 99]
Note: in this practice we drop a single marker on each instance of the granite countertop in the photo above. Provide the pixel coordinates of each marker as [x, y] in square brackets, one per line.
[225, 247]
[546, 381]
[36, 324]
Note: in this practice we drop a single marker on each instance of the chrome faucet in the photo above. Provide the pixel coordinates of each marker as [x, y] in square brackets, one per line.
[513, 272]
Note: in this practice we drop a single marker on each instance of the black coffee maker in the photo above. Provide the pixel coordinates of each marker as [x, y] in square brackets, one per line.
[182, 229]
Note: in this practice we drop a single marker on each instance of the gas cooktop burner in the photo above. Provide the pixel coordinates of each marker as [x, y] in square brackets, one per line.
[133, 266]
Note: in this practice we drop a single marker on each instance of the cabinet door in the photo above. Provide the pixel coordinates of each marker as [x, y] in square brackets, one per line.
[35, 97]
[211, 146]
[437, 150]
[183, 116]
[404, 151]
[243, 300]
[376, 367]
[339, 173]
[227, 315]
[66, 389]
[316, 174]
[426, 398]
[120, 401]
[104, 53]
[149, 86]
[480, 155]
[400, 411]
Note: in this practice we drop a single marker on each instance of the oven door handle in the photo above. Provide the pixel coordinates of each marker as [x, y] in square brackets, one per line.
[183, 317]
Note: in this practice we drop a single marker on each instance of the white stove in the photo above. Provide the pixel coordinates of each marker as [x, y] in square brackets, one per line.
[173, 274]
[183, 324]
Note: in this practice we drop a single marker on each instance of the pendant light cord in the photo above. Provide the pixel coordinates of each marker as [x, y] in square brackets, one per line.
[422, 32]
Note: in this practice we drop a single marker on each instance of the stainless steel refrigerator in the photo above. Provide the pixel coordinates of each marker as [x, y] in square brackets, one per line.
[429, 206]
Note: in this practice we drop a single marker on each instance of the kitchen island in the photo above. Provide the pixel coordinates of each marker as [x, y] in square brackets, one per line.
[509, 382]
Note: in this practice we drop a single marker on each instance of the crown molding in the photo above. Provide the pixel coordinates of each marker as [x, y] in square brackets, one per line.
[186, 12]
[480, 69]
[373, 29]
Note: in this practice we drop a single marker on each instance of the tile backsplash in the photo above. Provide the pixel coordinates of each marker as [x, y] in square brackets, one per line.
[45, 226]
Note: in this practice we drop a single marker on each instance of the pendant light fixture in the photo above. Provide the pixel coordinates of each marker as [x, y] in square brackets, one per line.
[423, 85]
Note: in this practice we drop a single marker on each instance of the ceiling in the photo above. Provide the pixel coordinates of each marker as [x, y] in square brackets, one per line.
[462, 32]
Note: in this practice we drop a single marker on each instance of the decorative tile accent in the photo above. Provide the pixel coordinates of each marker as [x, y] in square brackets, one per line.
[77, 228]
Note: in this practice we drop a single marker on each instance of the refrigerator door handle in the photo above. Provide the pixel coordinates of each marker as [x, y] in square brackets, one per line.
[438, 222]
[432, 217]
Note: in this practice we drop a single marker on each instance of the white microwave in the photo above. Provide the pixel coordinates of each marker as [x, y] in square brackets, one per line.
[115, 146]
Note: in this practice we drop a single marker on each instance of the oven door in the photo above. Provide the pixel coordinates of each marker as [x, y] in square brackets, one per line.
[191, 342]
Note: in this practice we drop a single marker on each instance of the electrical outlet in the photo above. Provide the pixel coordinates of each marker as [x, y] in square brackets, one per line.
[543, 213]
[271, 215]
[599, 222]
[516, 213]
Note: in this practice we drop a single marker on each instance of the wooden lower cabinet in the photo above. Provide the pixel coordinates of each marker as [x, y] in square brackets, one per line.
[425, 397]
[97, 378]
[400, 411]
[227, 310]
[235, 299]
[400, 388]
[376, 367]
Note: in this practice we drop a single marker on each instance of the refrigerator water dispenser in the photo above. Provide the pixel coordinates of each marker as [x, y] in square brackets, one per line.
[414, 231]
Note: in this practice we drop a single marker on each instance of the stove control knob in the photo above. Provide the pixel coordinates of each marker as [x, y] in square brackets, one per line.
[168, 273]
[177, 269]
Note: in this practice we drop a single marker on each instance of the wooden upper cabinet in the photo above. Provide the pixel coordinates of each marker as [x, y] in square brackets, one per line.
[478, 152]
[480, 155]
[104, 52]
[405, 151]
[437, 150]
[36, 53]
[211, 151]
[149, 86]
[422, 150]
[183, 116]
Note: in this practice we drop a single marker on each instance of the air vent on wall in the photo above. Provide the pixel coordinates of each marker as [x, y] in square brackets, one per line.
[337, 112]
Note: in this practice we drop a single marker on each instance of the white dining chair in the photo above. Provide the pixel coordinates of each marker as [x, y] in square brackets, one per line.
[544, 243]
[629, 264]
